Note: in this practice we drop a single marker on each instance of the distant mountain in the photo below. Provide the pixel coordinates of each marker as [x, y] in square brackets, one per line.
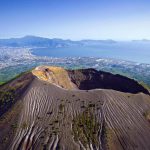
[34, 41]
[31, 41]
[46, 42]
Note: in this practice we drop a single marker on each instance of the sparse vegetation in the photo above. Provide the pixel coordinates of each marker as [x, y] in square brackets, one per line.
[91, 105]
[11, 91]
[24, 125]
[7, 96]
[49, 113]
[56, 121]
[85, 128]
[14, 126]
[107, 136]
[98, 108]
[82, 106]
[61, 107]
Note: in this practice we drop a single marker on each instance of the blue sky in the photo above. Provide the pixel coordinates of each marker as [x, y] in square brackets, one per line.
[76, 19]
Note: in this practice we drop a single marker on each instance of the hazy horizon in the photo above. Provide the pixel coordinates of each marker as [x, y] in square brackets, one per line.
[121, 40]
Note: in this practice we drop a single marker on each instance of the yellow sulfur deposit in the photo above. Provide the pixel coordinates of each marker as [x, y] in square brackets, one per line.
[54, 75]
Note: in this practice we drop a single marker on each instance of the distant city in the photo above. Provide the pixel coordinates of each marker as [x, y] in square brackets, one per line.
[14, 60]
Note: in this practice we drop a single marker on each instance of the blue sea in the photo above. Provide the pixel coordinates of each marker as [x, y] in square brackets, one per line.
[133, 51]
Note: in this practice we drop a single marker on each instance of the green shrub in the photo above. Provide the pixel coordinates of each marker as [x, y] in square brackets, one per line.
[61, 107]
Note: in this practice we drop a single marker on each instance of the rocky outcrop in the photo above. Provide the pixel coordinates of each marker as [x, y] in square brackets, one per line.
[55, 75]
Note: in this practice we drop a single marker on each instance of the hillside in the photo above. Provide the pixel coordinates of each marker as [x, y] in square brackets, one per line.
[54, 108]
[35, 41]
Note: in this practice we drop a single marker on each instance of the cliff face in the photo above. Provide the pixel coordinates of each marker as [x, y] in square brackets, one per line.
[87, 79]
[51, 112]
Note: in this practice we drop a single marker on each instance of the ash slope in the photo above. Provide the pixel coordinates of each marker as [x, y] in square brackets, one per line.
[48, 116]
